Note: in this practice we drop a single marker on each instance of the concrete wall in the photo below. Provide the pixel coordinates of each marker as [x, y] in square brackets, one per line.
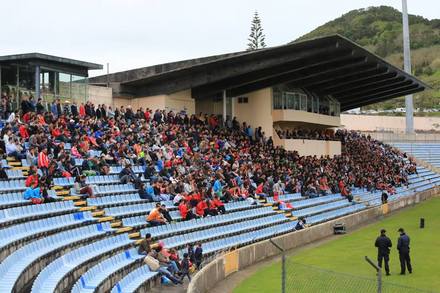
[373, 123]
[100, 95]
[258, 111]
[309, 147]
[181, 101]
[302, 117]
[177, 101]
[214, 272]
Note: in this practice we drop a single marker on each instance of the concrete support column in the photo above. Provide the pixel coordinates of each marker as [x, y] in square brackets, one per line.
[232, 107]
[37, 82]
[224, 107]
[407, 66]
[17, 95]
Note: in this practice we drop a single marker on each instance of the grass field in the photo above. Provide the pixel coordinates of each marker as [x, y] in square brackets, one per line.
[346, 254]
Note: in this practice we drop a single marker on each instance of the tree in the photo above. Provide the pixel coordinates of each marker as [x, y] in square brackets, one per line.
[256, 37]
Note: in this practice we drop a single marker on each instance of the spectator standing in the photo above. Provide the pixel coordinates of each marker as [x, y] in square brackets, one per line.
[185, 266]
[198, 256]
[43, 161]
[384, 197]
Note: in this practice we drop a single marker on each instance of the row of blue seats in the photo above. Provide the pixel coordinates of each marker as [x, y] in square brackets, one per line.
[102, 190]
[195, 224]
[56, 271]
[143, 208]
[422, 185]
[335, 214]
[17, 262]
[249, 237]
[300, 204]
[12, 185]
[116, 188]
[285, 197]
[17, 232]
[21, 212]
[132, 281]
[16, 198]
[15, 174]
[320, 208]
[67, 145]
[203, 235]
[118, 199]
[96, 275]
[5, 164]
[99, 179]
[378, 201]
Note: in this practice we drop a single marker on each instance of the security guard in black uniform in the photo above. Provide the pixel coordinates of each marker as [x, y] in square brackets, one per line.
[383, 244]
[403, 248]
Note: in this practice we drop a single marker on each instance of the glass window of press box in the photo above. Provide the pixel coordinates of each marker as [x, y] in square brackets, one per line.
[18, 81]
[290, 98]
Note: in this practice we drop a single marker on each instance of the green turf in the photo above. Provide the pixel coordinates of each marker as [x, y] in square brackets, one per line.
[346, 254]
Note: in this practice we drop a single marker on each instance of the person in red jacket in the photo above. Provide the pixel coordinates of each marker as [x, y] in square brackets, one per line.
[82, 111]
[217, 203]
[24, 133]
[202, 209]
[32, 179]
[184, 211]
[43, 161]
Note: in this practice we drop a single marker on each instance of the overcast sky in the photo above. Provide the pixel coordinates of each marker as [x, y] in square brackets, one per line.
[136, 33]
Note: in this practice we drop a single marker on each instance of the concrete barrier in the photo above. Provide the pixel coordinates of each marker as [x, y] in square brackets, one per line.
[214, 272]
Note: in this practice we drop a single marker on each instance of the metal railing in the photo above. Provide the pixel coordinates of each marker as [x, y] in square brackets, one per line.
[397, 135]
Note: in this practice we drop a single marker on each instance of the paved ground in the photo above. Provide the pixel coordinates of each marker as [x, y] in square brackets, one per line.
[170, 288]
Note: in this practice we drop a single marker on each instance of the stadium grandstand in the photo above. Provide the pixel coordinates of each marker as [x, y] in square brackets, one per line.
[186, 161]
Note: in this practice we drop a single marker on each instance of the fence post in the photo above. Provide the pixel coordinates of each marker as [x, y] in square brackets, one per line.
[379, 273]
[283, 266]
[379, 281]
[283, 272]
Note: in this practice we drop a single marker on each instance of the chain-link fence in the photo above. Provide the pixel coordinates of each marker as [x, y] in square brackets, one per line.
[301, 278]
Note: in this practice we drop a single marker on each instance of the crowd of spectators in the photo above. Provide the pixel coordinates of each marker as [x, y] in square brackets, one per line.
[299, 133]
[193, 160]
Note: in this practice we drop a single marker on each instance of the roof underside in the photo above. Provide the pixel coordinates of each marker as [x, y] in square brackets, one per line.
[330, 65]
[59, 63]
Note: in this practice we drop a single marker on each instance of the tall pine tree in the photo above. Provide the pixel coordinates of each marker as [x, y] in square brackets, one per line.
[256, 37]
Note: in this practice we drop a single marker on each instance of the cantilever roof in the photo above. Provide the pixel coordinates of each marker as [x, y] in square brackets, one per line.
[331, 65]
[51, 62]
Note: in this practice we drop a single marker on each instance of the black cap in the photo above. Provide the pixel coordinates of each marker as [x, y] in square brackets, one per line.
[400, 230]
[382, 231]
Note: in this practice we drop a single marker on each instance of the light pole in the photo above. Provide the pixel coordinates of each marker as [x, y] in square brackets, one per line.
[407, 66]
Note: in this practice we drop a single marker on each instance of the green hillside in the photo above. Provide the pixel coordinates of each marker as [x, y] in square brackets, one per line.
[379, 29]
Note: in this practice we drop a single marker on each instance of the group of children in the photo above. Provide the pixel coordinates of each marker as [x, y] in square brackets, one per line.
[167, 262]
